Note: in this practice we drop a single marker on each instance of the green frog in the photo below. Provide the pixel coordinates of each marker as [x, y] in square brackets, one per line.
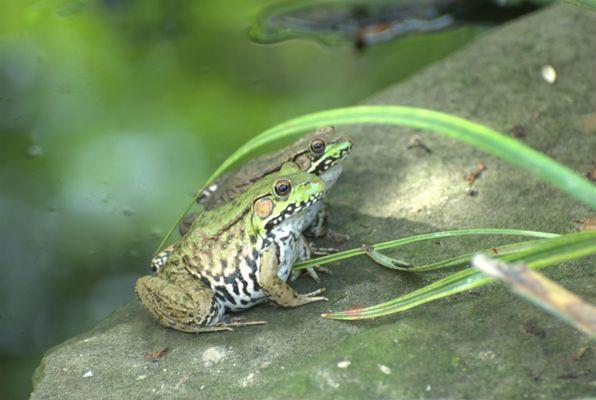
[319, 153]
[236, 256]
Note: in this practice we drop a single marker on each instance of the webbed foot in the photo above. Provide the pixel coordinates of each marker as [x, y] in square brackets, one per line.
[313, 296]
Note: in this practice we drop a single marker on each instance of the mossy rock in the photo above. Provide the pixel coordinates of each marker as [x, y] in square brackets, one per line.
[483, 344]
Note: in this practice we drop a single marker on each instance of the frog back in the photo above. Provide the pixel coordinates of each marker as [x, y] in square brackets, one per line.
[232, 184]
[226, 263]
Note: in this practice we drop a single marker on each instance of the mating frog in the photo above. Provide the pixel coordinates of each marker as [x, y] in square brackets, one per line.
[319, 153]
[236, 255]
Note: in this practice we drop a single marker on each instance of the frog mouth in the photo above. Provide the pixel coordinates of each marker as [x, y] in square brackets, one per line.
[293, 209]
[330, 162]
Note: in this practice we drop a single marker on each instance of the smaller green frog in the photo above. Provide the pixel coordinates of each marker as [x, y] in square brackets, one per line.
[236, 255]
[319, 153]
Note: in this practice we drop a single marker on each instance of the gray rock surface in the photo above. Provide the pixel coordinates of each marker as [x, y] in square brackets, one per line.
[483, 344]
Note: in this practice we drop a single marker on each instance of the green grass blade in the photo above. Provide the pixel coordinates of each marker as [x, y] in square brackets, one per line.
[419, 238]
[552, 251]
[460, 260]
[475, 134]
[386, 261]
[586, 3]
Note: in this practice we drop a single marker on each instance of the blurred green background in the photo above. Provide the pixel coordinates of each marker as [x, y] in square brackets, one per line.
[112, 113]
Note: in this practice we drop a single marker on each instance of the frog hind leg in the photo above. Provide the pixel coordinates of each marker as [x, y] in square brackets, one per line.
[278, 290]
[185, 306]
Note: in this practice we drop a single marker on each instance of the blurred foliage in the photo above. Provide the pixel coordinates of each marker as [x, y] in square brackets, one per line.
[111, 114]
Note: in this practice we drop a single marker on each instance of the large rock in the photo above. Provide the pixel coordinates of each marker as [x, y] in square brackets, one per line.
[483, 344]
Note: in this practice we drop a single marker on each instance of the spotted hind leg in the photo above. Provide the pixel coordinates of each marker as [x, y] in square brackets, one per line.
[183, 304]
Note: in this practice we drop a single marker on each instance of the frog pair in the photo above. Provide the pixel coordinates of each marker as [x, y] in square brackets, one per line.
[240, 251]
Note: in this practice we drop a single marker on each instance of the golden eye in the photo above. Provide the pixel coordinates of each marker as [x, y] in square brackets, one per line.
[283, 187]
[317, 146]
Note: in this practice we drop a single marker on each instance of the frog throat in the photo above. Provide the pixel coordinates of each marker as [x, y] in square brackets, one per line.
[291, 210]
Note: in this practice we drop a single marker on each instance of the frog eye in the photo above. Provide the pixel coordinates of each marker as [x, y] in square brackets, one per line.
[303, 162]
[317, 146]
[282, 187]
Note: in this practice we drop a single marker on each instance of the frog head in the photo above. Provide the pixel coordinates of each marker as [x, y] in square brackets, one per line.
[290, 191]
[325, 150]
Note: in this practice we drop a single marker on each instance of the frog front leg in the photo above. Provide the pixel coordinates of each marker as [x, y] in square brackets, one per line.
[318, 228]
[278, 290]
[305, 251]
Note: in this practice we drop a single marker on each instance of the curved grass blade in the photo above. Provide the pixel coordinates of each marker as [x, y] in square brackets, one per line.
[386, 261]
[420, 238]
[552, 251]
[458, 128]
[458, 261]
[538, 289]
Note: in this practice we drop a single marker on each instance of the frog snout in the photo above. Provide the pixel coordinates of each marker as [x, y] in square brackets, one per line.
[308, 185]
